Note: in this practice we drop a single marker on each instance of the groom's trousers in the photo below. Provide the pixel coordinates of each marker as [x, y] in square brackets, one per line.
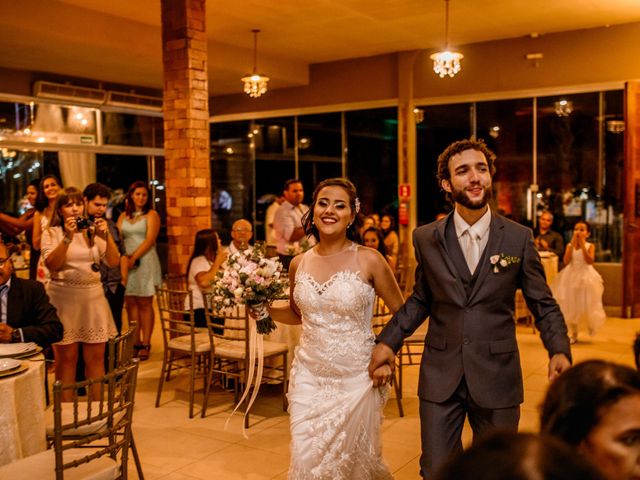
[441, 426]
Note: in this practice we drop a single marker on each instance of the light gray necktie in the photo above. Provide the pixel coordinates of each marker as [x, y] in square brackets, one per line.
[472, 252]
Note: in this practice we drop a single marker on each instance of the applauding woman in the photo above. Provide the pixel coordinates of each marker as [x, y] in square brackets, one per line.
[141, 272]
[73, 248]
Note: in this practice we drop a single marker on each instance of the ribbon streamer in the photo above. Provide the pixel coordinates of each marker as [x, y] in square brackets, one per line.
[256, 348]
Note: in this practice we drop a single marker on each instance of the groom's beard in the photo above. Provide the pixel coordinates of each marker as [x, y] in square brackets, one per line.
[460, 196]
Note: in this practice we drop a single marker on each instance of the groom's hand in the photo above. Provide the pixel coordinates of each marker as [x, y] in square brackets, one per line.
[381, 355]
[558, 364]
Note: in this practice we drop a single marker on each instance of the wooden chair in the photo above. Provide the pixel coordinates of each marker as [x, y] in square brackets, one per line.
[381, 315]
[92, 437]
[119, 355]
[230, 352]
[184, 347]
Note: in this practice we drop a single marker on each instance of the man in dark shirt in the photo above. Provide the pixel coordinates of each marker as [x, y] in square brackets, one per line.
[96, 198]
[547, 240]
[25, 312]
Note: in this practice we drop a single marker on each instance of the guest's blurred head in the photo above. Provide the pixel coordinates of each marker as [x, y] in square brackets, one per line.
[241, 233]
[387, 223]
[582, 227]
[293, 191]
[48, 191]
[595, 406]
[96, 198]
[32, 192]
[372, 237]
[545, 221]
[206, 244]
[69, 204]
[331, 209]
[636, 351]
[513, 456]
[138, 199]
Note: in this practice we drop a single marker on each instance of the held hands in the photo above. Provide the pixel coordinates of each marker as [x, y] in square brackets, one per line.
[382, 364]
[578, 240]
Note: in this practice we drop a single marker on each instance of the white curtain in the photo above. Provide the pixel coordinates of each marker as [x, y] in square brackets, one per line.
[78, 169]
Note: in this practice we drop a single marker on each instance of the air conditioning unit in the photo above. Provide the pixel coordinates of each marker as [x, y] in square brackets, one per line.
[134, 101]
[69, 94]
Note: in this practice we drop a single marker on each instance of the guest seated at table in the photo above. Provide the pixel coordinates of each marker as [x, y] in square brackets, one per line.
[25, 312]
[518, 456]
[206, 259]
[241, 235]
[547, 240]
[595, 407]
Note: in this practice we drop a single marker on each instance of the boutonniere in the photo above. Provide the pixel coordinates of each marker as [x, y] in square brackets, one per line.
[502, 261]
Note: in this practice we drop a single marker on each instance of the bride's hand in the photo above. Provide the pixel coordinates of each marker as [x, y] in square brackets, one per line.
[382, 375]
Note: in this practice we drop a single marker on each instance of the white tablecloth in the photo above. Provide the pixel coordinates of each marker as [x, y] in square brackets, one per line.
[289, 334]
[22, 412]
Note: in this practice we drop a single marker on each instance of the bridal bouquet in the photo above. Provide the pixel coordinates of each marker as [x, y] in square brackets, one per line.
[250, 278]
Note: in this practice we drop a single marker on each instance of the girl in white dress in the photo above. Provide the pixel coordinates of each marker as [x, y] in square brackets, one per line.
[335, 407]
[578, 287]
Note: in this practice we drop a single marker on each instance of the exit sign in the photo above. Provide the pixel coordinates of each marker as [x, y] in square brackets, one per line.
[404, 190]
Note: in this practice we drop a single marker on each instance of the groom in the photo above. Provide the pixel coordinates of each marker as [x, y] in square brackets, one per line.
[469, 266]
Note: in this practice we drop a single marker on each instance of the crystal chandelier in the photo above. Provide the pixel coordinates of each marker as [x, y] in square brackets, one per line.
[255, 84]
[446, 62]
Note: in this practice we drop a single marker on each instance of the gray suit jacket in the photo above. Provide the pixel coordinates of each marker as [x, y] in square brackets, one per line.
[473, 336]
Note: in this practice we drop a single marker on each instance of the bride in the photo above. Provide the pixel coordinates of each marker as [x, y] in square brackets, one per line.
[335, 407]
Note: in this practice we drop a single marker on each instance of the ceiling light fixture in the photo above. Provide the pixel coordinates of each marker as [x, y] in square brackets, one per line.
[255, 84]
[446, 62]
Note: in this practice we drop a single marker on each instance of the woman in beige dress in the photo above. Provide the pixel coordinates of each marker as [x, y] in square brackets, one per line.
[73, 248]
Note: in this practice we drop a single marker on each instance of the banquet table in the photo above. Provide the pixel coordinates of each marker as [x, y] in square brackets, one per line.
[550, 264]
[22, 411]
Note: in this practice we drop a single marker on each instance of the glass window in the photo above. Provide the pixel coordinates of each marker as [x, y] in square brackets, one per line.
[441, 126]
[319, 149]
[132, 130]
[372, 157]
[506, 126]
[273, 141]
[232, 174]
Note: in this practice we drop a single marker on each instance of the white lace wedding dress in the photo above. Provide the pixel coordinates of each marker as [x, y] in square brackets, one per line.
[336, 413]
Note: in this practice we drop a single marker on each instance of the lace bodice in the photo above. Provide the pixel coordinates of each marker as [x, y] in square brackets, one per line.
[336, 314]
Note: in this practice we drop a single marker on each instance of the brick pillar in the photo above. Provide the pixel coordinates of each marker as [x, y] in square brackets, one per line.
[186, 126]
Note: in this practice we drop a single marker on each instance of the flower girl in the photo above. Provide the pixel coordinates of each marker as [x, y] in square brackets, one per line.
[578, 287]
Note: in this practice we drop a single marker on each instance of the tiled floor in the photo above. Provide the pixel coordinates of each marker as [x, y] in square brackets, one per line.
[174, 447]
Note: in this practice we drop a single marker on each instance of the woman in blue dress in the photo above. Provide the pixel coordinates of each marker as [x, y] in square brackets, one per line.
[141, 272]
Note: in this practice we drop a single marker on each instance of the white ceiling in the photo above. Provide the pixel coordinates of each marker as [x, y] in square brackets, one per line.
[119, 40]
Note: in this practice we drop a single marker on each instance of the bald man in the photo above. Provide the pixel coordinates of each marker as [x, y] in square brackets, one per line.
[241, 235]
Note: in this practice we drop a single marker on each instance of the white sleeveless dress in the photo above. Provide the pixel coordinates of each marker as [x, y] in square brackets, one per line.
[335, 411]
[578, 289]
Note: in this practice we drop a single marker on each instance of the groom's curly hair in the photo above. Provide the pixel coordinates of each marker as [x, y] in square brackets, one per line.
[458, 147]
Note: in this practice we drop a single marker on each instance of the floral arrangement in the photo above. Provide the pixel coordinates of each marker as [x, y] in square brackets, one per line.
[502, 261]
[250, 278]
[297, 248]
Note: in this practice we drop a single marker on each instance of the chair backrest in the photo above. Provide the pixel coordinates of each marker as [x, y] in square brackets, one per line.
[176, 313]
[381, 315]
[109, 416]
[228, 324]
[176, 282]
[120, 349]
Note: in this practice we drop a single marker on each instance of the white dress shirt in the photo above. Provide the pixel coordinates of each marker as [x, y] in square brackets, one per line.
[480, 230]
